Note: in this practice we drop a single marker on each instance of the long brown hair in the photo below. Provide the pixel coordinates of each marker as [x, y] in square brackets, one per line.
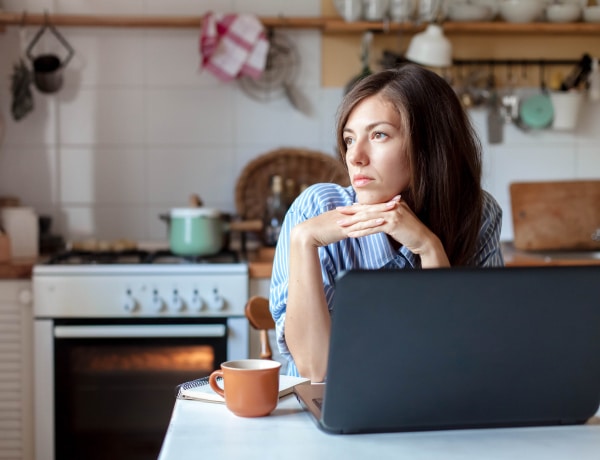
[444, 153]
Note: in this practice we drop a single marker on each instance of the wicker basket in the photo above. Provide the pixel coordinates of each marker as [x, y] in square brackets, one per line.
[304, 166]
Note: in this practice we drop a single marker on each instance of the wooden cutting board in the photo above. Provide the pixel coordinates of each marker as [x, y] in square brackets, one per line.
[556, 215]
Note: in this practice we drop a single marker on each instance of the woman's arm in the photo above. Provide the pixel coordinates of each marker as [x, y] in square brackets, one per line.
[307, 324]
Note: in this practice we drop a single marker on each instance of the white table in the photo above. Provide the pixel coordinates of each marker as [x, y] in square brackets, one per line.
[200, 430]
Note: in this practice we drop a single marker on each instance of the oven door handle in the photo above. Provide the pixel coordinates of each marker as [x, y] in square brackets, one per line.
[140, 331]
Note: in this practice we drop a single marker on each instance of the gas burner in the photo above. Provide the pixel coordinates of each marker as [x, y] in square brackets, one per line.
[167, 257]
[81, 257]
[137, 256]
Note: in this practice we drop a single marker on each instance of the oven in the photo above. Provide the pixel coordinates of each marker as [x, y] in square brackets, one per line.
[113, 340]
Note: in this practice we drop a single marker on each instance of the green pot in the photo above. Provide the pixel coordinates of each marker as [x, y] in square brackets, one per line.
[196, 231]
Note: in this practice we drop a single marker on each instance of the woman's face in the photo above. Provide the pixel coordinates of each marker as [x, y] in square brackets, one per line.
[376, 154]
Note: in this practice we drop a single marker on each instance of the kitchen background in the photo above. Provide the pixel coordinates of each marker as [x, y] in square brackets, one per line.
[138, 126]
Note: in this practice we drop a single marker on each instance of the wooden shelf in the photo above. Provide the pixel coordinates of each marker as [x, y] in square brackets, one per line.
[19, 18]
[495, 27]
[329, 25]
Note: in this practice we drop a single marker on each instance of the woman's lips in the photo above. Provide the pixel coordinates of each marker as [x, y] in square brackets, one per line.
[360, 180]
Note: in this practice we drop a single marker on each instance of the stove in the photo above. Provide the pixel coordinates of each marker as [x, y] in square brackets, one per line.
[115, 333]
[139, 283]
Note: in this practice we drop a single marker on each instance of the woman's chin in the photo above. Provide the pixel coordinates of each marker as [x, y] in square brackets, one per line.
[371, 198]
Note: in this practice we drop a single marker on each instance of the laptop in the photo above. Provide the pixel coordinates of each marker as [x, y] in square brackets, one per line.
[459, 348]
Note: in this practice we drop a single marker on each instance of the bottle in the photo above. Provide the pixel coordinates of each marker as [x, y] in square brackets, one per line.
[275, 210]
[290, 192]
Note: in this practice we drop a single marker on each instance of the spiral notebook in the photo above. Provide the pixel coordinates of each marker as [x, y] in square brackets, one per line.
[461, 348]
[200, 390]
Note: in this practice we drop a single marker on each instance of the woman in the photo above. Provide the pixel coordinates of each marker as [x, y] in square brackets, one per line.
[415, 201]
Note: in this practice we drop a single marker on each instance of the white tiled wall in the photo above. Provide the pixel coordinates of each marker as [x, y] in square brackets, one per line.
[137, 127]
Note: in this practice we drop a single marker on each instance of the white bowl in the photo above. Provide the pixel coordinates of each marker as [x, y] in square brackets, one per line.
[563, 12]
[591, 14]
[469, 12]
[521, 10]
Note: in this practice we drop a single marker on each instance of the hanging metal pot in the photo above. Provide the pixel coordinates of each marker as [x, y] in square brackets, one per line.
[48, 68]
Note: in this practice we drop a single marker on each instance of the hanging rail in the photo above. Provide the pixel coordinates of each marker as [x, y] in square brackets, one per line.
[514, 62]
[26, 19]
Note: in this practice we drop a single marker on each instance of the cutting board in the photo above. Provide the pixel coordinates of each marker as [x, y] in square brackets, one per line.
[556, 215]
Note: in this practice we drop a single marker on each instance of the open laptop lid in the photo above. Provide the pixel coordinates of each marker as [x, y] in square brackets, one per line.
[463, 348]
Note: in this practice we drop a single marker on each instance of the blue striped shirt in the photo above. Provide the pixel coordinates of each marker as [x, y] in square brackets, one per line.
[369, 252]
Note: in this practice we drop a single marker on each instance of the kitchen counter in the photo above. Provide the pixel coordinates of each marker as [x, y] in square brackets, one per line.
[207, 430]
[17, 268]
[516, 257]
[261, 262]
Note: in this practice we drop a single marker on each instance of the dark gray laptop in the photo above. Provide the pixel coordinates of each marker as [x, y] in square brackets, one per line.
[461, 348]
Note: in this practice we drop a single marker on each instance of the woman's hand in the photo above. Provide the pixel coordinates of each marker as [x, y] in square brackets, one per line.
[321, 230]
[396, 219]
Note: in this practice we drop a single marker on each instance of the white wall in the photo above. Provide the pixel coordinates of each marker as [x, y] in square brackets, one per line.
[137, 127]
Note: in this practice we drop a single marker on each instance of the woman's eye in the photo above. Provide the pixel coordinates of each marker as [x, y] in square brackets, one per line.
[348, 140]
[379, 135]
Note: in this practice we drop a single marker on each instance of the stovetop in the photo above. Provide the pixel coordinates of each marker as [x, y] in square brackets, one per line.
[138, 256]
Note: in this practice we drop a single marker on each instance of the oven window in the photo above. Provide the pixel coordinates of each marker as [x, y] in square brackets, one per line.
[114, 397]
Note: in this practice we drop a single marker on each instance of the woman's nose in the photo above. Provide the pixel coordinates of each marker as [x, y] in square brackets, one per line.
[358, 154]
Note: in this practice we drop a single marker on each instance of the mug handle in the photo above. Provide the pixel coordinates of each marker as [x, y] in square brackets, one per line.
[212, 381]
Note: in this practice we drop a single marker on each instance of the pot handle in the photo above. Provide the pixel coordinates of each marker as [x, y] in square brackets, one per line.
[58, 36]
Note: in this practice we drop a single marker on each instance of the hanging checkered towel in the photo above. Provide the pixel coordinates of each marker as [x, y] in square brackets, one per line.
[233, 45]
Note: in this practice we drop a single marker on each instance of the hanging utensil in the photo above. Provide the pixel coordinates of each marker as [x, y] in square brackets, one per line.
[47, 67]
[21, 80]
[495, 119]
[536, 111]
[510, 99]
[278, 77]
[22, 98]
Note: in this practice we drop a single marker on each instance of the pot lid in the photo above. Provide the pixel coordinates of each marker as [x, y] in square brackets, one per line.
[537, 111]
[195, 212]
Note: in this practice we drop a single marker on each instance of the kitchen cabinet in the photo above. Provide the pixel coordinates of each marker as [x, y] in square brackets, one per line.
[16, 370]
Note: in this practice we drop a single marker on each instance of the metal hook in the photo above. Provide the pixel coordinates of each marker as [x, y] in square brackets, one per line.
[509, 75]
[543, 75]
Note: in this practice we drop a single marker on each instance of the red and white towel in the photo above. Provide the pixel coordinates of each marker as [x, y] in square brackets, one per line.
[233, 45]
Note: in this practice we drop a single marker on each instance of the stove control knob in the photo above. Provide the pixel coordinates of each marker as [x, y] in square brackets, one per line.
[129, 304]
[177, 303]
[216, 301]
[158, 305]
[25, 296]
[196, 303]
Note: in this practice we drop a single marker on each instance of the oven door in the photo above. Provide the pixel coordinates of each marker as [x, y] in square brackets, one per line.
[114, 381]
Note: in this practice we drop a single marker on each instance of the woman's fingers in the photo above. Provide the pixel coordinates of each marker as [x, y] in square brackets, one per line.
[355, 208]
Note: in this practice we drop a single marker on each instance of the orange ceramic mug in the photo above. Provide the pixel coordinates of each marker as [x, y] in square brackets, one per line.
[250, 386]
